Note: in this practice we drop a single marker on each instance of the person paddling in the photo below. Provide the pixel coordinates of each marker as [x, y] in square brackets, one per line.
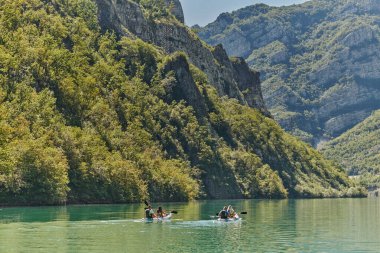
[160, 213]
[231, 212]
[149, 213]
[223, 214]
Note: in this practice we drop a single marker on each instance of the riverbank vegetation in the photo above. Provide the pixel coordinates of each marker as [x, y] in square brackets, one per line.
[86, 117]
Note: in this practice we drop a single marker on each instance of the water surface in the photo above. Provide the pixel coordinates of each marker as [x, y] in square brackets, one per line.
[332, 225]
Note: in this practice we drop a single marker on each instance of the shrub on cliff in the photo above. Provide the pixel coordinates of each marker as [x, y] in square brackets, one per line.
[90, 117]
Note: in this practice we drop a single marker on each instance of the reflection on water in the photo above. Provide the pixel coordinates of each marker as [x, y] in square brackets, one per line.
[339, 225]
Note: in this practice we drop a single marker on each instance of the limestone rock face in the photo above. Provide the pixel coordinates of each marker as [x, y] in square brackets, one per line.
[115, 14]
[245, 76]
[236, 43]
[338, 124]
[319, 61]
[176, 10]
[230, 77]
[127, 18]
[184, 87]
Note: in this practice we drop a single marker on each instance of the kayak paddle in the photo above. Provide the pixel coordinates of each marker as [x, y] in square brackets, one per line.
[240, 213]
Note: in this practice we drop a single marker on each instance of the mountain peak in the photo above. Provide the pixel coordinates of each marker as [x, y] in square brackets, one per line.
[145, 111]
[176, 9]
[173, 37]
[317, 49]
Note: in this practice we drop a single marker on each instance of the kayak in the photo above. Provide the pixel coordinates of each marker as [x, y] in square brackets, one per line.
[168, 217]
[228, 220]
[235, 218]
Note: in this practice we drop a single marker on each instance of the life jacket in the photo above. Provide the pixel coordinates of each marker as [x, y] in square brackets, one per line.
[148, 215]
[223, 214]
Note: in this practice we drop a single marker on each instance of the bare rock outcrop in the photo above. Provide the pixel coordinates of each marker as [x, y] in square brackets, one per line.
[176, 9]
[319, 61]
[127, 18]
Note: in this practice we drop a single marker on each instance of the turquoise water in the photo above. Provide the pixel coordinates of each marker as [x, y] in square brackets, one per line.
[338, 225]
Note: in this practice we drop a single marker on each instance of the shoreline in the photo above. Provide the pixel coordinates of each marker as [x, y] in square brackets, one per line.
[141, 203]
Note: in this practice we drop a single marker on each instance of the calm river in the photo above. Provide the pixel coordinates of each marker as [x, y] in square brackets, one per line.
[336, 225]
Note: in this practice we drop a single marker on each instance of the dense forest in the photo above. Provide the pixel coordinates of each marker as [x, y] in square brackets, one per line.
[358, 151]
[90, 117]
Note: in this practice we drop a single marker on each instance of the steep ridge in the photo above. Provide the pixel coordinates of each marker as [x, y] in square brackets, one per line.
[358, 151]
[128, 17]
[319, 61]
[89, 116]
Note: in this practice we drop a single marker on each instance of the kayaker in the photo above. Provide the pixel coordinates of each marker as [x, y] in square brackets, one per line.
[160, 213]
[231, 212]
[149, 213]
[223, 214]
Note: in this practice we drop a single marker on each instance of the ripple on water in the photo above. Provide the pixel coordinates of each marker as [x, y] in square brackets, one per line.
[314, 226]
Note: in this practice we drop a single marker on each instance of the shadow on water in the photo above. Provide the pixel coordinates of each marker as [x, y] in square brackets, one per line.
[70, 213]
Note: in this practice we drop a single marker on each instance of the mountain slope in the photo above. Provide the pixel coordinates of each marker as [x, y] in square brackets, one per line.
[358, 150]
[91, 115]
[319, 61]
[130, 19]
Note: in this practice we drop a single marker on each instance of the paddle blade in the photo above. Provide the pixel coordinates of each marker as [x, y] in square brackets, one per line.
[146, 202]
[175, 212]
[243, 213]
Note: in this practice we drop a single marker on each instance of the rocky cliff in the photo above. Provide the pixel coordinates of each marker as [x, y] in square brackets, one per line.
[175, 8]
[90, 116]
[127, 17]
[319, 61]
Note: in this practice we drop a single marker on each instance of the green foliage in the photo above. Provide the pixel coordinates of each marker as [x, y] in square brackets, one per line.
[357, 151]
[141, 59]
[156, 10]
[87, 117]
[309, 56]
[256, 180]
[297, 164]
[74, 108]
[43, 173]
[32, 169]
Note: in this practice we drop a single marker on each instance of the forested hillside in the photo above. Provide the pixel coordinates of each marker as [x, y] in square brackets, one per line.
[319, 61]
[358, 151]
[88, 115]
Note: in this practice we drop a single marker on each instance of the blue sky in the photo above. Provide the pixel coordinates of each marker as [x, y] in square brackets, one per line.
[203, 12]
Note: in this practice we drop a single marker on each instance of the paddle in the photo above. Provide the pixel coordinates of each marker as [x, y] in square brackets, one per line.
[148, 204]
[240, 213]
